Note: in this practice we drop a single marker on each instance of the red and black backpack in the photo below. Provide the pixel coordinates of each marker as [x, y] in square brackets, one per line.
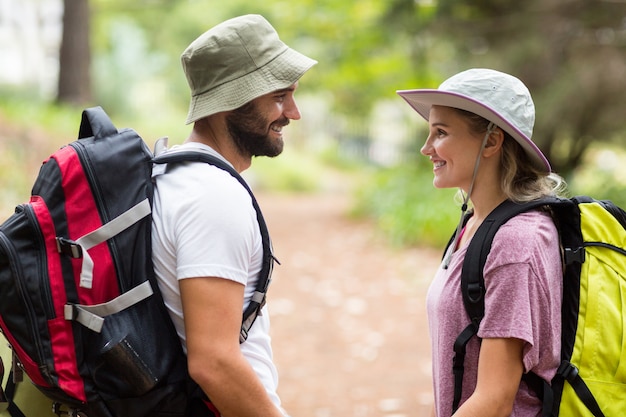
[79, 302]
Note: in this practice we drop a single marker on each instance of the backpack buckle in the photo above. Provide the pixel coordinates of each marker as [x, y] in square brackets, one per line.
[568, 371]
[69, 248]
[571, 255]
[474, 292]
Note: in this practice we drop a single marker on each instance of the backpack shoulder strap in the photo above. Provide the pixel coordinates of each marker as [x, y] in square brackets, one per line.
[7, 395]
[473, 282]
[472, 279]
[258, 299]
[3, 399]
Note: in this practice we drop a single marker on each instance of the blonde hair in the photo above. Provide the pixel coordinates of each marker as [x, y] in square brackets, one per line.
[520, 181]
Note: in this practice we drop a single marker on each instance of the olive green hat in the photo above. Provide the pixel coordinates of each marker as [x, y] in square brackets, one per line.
[237, 61]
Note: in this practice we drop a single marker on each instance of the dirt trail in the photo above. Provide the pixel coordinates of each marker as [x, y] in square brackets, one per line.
[349, 329]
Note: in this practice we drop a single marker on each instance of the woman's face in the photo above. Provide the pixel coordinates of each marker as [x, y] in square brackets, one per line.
[451, 147]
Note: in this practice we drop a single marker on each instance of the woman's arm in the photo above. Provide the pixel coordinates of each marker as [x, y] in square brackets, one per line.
[500, 370]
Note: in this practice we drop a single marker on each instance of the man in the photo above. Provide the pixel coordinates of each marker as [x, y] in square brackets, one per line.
[207, 246]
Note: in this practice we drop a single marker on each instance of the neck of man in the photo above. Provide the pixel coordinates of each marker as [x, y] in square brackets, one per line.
[212, 131]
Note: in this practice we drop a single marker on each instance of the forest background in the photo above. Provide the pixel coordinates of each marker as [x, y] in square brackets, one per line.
[124, 56]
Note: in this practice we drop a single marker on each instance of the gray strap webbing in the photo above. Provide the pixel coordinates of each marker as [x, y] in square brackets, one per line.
[161, 168]
[258, 297]
[106, 232]
[246, 325]
[93, 316]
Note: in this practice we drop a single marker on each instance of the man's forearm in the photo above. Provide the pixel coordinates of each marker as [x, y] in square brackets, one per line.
[234, 388]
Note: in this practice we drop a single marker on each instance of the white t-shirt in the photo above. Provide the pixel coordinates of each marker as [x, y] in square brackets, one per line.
[204, 225]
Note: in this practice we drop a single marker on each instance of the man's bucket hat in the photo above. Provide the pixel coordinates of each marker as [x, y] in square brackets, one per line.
[237, 61]
[496, 96]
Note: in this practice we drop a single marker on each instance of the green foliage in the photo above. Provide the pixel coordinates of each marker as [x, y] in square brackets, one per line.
[31, 114]
[299, 170]
[409, 211]
[360, 60]
[290, 172]
[556, 50]
[29, 132]
[407, 208]
[366, 50]
[127, 74]
[603, 176]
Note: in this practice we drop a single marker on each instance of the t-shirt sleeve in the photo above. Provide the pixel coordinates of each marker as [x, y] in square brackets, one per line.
[523, 280]
[507, 303]
[214, 229]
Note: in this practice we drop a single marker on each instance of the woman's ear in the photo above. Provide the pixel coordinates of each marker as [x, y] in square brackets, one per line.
[494, 143]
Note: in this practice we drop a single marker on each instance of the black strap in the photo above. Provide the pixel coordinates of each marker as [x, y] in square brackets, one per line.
[253, 309]
[12, 408]
[543, 390]
[569, 373]
[3, 398]
[458, 362]
[473, 282]
[472, 279]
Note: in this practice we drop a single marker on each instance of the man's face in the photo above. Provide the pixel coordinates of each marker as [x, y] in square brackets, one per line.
[256, 127]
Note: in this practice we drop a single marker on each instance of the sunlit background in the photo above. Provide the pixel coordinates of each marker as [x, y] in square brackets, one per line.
[356, 137]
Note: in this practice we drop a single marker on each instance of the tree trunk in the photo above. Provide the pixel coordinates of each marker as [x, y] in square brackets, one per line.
[75, 54]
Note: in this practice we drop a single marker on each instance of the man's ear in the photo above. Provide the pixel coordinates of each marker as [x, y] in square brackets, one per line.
[494, 143]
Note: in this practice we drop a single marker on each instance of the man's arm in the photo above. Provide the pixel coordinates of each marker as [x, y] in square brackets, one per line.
[212, 309]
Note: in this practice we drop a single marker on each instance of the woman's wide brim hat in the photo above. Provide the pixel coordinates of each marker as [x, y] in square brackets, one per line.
[496, 96]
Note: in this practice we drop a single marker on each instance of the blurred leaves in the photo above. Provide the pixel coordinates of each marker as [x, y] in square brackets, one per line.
[570, 53]
[406, 207]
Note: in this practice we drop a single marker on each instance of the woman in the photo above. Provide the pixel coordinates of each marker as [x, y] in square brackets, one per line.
[481, 124]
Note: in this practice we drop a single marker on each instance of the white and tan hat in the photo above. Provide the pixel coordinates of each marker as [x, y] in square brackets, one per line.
[496, 96]
[237, 61]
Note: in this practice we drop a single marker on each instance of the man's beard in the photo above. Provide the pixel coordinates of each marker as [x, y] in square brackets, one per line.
[251, 134]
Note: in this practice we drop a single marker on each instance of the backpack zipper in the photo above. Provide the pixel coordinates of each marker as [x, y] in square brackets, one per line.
[42, 264]
[92, 179]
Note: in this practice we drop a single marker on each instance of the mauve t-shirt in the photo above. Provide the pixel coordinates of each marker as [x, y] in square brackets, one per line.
[523, 277]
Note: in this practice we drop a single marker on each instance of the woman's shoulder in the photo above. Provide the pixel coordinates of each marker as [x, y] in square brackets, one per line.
[532, 223]
[526, 234]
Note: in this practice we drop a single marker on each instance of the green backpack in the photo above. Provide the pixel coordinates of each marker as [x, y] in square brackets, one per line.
[591, 380]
